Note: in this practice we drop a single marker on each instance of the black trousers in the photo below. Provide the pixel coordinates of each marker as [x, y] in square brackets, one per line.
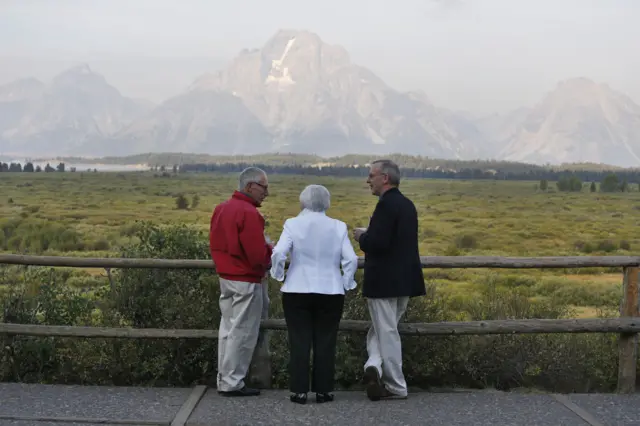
[312, 322]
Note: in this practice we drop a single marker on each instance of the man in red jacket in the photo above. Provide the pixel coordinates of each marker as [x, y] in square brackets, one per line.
[242, 257]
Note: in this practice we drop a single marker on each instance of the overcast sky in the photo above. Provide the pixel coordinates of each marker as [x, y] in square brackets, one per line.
[475, 55]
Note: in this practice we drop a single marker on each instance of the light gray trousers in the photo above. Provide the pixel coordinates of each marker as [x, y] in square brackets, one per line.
[242, 305]
[383, 342]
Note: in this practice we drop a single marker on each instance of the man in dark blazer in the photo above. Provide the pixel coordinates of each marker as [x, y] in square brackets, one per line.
[392, 275]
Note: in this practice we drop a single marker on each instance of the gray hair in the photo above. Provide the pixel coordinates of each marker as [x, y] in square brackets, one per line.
[315, 198]
[390, 169]
[250, 175]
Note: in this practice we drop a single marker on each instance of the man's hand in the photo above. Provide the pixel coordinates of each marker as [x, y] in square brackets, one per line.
[357, 233]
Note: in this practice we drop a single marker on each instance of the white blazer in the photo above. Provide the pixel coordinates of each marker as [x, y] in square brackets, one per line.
[319, 245]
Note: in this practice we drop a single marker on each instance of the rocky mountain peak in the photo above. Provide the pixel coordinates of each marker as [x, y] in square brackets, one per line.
[300, 51]
[289, 60]
[311, 98]
[284, 39]
[579, 120]
[82, 78]
[22, 89]
[578, 83]
[578, 92]
[77, 108]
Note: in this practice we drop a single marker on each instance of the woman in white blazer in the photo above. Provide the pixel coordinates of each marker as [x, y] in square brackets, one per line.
[313, 292]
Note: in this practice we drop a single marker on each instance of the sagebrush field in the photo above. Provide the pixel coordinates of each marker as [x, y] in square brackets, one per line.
[89, 214]
[106, 214]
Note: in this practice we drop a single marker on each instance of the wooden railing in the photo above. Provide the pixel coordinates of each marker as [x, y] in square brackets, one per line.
[627, 325]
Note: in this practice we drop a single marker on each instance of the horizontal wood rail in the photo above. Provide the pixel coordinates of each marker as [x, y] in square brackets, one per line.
[627, 325]
[427, 262]
[530, 326]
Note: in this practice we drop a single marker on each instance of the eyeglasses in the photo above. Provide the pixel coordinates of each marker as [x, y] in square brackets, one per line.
[371, 175]
[265, 187]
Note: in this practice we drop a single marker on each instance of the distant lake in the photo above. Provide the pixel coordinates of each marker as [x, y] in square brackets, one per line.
[81, 167]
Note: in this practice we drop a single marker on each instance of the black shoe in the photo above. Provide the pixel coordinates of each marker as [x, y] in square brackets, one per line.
[299, 398]
[323, 397]
[245, 391]
[372, 380]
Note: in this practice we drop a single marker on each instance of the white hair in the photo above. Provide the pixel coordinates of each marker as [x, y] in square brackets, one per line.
[250, 175]
[315, 198]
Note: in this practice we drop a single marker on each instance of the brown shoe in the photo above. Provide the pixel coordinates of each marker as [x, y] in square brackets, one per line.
[386, 394]
[375, 389]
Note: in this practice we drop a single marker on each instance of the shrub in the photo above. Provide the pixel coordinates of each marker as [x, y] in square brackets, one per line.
[195, 201]
[163, 298]
[569, 183]
[130, 229]
[544, 185]
[610, 183]
[181, 202]
[37, 236]
[100, 245]
[466, 242]
[607, 246]
[40, 296]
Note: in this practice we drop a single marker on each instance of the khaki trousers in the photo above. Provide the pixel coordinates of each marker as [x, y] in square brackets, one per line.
[241, 308]
[383, 342]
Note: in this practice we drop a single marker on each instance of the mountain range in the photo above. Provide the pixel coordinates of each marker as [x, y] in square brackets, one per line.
[298, 94]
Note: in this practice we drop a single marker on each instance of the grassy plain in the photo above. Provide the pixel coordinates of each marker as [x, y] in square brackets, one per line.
[94, 214]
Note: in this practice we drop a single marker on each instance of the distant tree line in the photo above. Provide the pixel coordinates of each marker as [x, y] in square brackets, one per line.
[572, 183]
[287, 159]
[568, 179]
[29, 168]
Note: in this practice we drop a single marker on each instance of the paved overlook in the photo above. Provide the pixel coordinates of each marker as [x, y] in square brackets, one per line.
[57, 405]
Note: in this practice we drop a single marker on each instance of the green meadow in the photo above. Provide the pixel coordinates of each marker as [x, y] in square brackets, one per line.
[88, 214]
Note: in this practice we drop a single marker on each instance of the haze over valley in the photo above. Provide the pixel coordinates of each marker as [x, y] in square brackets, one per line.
[297, 93]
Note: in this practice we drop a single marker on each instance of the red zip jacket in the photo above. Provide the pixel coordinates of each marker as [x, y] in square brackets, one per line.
[236, 240]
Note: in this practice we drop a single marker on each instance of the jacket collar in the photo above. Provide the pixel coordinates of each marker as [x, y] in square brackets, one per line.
[307, 211]
[244, 197]
[388, 191]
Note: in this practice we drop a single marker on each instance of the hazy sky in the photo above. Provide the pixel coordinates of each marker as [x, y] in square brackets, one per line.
[476, 55]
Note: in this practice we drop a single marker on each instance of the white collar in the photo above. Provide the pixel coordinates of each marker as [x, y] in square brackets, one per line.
[305, 212]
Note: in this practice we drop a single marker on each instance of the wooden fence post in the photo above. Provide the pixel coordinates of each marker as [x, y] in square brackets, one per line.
[627, 347]
[260, 370]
